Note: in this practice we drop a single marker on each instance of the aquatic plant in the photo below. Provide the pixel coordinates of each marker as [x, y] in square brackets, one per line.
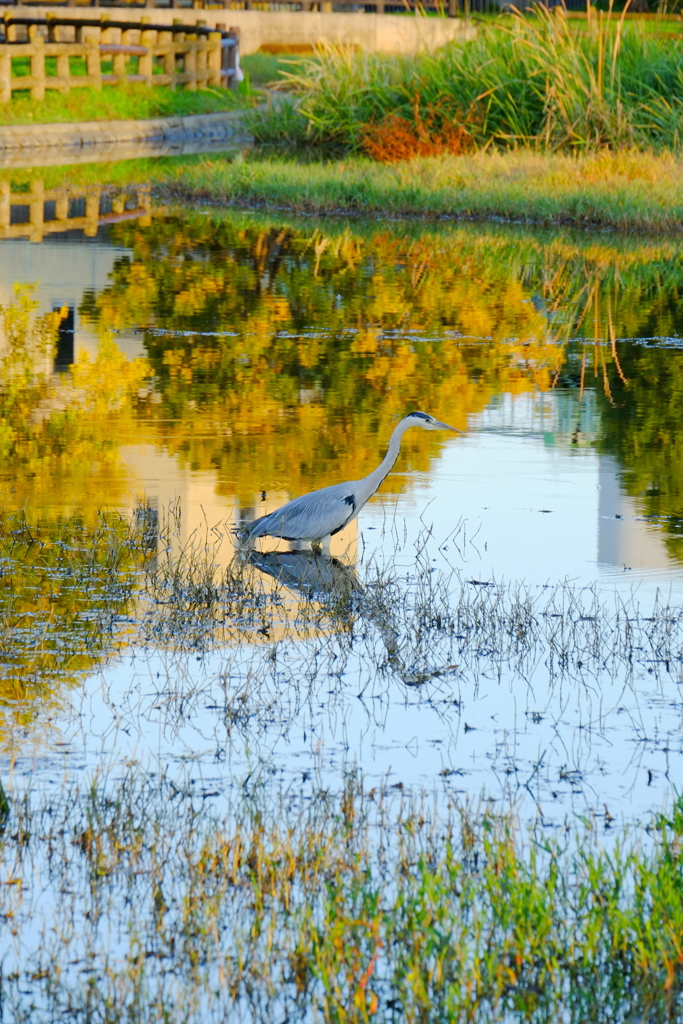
[137, 898]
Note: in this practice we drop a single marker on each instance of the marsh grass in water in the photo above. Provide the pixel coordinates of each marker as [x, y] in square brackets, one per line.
[292, 630]
[65, 587]
[136, 898]
[133, 895]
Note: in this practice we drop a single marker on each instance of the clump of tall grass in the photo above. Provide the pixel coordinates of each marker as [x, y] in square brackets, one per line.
[538, 81]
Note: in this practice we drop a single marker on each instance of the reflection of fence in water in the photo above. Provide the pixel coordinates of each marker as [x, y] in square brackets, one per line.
[42, 211]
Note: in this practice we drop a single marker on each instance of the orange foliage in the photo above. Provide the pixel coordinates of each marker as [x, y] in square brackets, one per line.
[396, 137]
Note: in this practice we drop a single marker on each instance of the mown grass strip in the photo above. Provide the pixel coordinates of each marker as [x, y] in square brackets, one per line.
[628, 191]
[116, 103]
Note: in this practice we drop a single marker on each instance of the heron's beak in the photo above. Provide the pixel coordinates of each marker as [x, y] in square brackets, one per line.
[445, 426]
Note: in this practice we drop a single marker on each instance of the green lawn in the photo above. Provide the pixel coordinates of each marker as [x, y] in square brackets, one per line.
[116, 103]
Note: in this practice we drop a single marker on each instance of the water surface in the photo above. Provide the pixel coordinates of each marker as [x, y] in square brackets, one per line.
[211, 365]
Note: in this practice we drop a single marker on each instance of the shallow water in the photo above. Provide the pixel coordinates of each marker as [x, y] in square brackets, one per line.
[274, 356]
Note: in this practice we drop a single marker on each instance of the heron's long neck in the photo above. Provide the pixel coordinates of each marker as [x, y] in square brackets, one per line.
[372, 481]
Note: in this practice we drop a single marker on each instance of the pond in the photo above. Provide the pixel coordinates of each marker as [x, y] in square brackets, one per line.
[227, 776]
[512, 596]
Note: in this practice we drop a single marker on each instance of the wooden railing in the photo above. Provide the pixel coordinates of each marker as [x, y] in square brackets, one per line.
[450, 8]
[441, 6]
[42, 211]
[190, 56]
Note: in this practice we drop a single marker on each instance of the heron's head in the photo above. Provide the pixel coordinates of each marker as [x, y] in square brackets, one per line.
[422, 419]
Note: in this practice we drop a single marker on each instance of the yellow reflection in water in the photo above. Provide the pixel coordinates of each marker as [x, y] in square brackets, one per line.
[276, 359]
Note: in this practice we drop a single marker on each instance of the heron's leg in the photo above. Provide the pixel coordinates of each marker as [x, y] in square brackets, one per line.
[324, 545]
[302, 545]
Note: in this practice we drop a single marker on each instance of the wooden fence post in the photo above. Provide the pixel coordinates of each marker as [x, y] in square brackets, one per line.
[146, 64]
[37, 60]
[202, 44]
[63, 72]
[191, 63]
[119, 61]
[10, 30]
[213, 59]
[94, 63]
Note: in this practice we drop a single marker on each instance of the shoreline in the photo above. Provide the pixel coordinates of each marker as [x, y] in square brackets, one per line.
[624, 191]
[627, 191]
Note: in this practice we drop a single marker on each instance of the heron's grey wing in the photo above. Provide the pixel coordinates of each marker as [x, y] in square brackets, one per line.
[310, 517]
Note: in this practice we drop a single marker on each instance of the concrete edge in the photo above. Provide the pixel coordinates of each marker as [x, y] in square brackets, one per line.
[225, 125]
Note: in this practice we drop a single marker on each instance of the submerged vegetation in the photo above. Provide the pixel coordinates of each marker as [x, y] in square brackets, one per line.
[138, 899]
[144, 894]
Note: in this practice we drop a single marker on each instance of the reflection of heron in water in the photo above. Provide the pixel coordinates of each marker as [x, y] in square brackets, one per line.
[319, 577]
[314, 518]
[316, 577]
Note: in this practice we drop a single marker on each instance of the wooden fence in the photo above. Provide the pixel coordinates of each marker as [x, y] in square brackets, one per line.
[450, 8]
[190, 56]
[327, 6]
[42, 211]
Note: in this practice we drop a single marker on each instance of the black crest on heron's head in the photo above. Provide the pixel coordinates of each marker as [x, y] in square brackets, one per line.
[420, 416]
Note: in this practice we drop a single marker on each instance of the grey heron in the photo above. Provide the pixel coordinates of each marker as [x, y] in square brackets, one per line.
[314, 518]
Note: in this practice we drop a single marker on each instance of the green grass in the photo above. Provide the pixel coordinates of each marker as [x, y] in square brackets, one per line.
[629, 191]
[266, 68]
[155, 908]
[114, 103]
[528, 81]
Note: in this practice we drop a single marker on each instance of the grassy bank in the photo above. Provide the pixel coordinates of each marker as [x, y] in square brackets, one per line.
[118, 104]
[628, 191]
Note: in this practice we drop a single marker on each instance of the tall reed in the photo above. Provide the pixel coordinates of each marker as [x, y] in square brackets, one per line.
[536, 80]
